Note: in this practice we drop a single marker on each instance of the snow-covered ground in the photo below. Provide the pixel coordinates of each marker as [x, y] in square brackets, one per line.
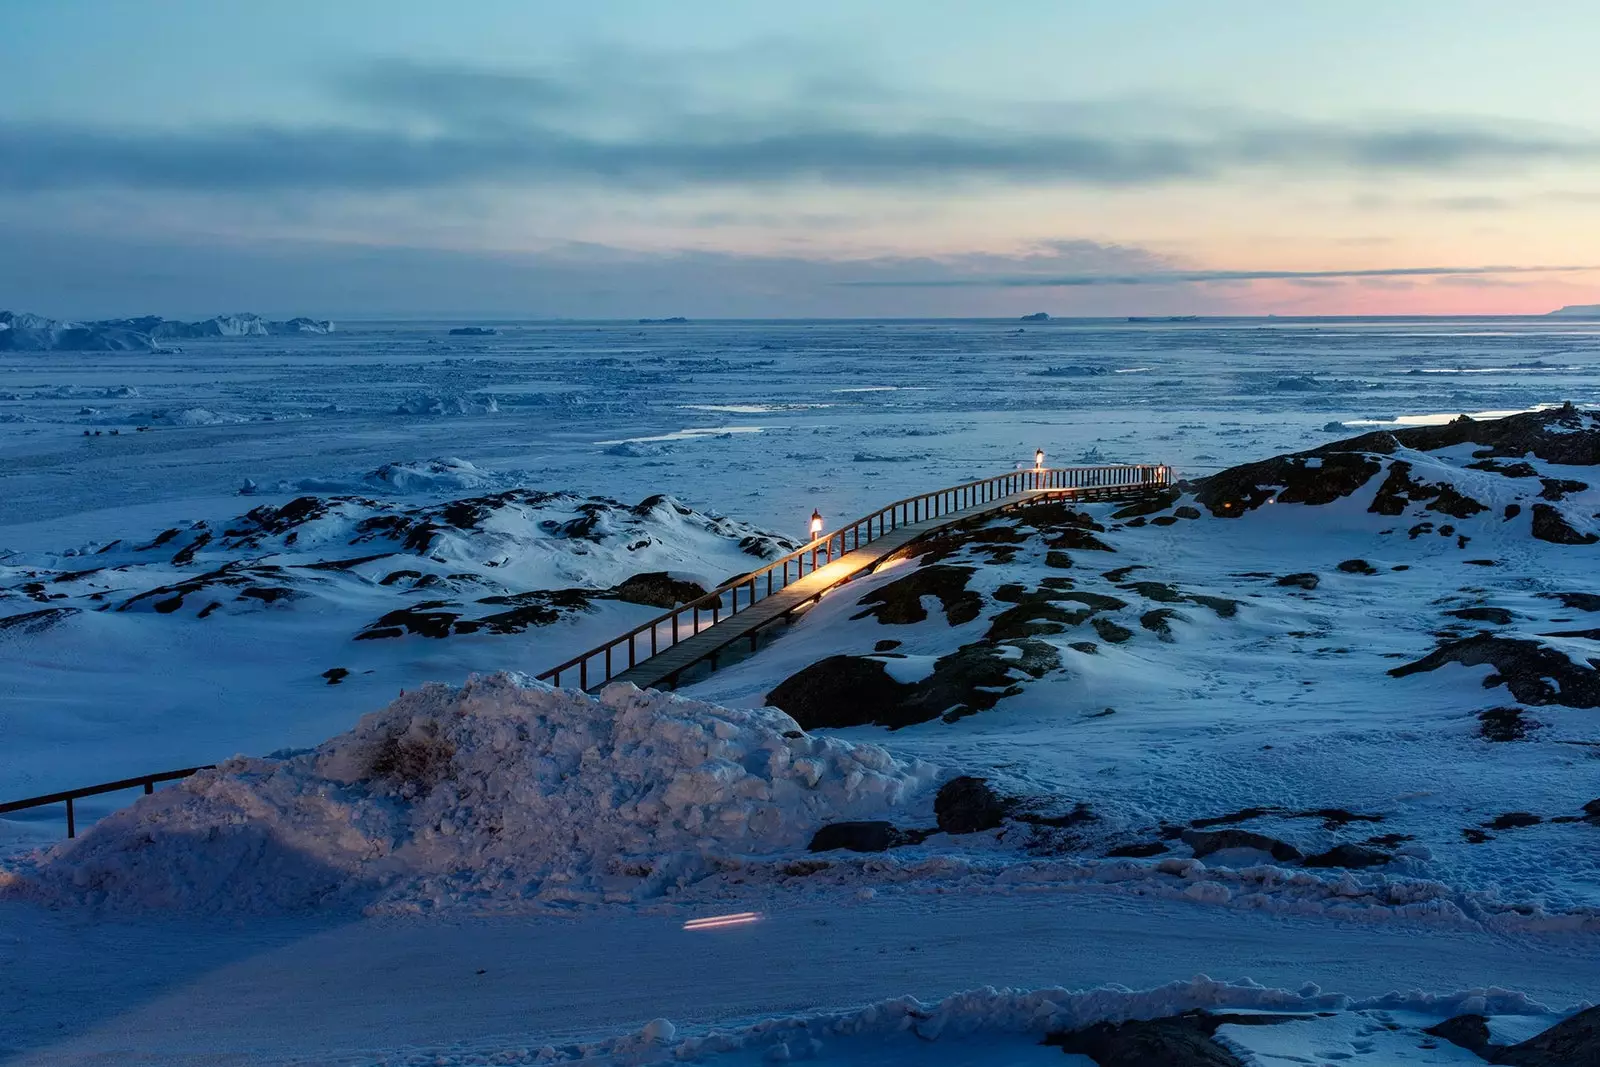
[1195, 754]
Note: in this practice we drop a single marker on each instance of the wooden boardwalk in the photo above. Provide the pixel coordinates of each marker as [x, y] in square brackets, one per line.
[663, 669]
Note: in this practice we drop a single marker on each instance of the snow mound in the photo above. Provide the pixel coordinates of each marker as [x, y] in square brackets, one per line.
[424, 476]
[500, 791]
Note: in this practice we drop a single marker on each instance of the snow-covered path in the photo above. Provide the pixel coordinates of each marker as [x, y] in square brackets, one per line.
[273, 991]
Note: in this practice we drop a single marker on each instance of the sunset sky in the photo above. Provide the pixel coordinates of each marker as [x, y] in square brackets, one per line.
[611, 159]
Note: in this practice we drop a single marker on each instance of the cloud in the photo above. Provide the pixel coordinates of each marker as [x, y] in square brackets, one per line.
[652, 122]
[1191, 277]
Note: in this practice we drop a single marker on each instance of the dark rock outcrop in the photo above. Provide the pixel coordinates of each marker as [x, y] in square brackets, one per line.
[1205, 842]
[657, 589]
[900, 602]
[1573, 1042]
[844, 691]
[1549, 524]
[1349, 855]
[1317, 477]
[862, 837]
[1184, 1040]
[1504, 724]
[1535, 673]
[968, 805]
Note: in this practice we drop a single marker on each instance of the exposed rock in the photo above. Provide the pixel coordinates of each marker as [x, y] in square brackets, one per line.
[658, 589]
[1177, 1041]
[1513, 820]
[1576, 601]
[840, 691]
[1205, 842]
[968, 805]
[900, 601]
[1508, 470]
[1498, 616]
[861, 837]
[1159, 621]
[1304, 580]
[1149, 505]
[1348, 855]
[1319, 477]
[1504, 724]
[1357, 566]
[856, 691]
[1558, 488]
[1549, 524]
[1536, 674]
[1470, 1032]
[1573, 1042]
[1139, 850]
[34, 622]
[335, 675]
[1111, 631]
[1224, 608]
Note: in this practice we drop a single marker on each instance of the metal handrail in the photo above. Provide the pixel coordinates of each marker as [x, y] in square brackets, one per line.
[669, 626]
[68, 796]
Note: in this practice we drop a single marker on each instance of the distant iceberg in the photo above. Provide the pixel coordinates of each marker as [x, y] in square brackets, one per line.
[25, 332]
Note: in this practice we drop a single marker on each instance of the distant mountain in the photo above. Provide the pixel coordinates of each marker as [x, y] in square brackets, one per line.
[1037, 316]
[25, 332]
[1578, 311]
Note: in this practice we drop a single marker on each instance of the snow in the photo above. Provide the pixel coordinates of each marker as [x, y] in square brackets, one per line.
[504, 789]
[1147, 733]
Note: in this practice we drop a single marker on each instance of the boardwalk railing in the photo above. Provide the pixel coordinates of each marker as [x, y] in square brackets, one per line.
[603, 662]
[148, 781]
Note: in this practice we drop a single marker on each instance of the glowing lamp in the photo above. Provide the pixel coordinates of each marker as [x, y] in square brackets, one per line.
[816, 524]
[1038, 459]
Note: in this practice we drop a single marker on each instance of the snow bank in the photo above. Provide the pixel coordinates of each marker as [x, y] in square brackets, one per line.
[502, 790]
[988, 1015]
[1366, 897]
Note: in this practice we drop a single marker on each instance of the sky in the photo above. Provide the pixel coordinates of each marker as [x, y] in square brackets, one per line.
[535, 158]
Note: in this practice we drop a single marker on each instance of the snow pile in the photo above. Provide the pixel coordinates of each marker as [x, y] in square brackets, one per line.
[424, 476]
[502, 790]
[990, 1015]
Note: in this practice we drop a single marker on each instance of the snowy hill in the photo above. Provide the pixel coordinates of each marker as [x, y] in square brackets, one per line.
[1578, 311]
[284, 623]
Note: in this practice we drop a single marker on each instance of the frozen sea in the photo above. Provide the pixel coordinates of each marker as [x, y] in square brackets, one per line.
[762, 421]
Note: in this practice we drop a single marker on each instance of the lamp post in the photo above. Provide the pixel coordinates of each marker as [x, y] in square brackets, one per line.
[1038, 468]
[816, 532]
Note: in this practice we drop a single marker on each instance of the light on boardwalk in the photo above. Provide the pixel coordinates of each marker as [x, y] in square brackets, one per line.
[816, 524]
[1038, 459]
